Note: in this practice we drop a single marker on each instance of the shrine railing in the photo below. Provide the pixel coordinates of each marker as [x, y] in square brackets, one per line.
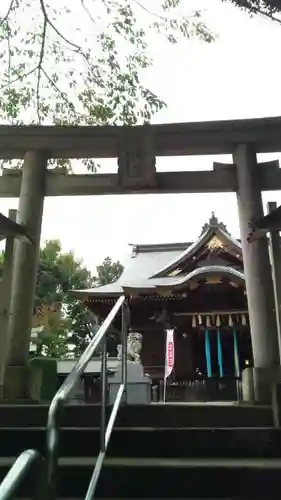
[29, 461]
[203, 389]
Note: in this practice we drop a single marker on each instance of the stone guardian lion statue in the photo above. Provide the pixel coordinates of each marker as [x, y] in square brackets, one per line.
[134, 346]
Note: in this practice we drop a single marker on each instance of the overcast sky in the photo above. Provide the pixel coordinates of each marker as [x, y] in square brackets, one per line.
[238, 76]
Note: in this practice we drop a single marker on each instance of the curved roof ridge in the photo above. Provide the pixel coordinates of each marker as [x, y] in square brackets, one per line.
[158, 247]
[182, 256]
[207, 270]
[194, 247]
[212, 269]
[228, 236]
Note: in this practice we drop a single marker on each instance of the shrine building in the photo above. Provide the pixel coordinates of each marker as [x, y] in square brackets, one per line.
[197, 289]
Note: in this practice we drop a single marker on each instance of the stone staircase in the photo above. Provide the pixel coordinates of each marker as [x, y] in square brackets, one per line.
[156, 451]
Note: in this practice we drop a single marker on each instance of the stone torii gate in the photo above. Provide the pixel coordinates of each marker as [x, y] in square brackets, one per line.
[136, 150]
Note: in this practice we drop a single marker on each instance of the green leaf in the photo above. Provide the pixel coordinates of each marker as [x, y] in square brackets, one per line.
[54, 74]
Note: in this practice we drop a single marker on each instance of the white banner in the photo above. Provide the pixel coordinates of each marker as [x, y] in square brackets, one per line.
[170, 353]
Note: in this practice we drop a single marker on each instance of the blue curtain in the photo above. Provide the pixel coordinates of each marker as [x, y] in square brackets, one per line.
[236, 353]
[208, 353]
[220, 361]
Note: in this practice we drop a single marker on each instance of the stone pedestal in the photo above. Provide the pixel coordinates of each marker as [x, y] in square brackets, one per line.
[16, 383]
[276, 405]
[248, 391]
[258, 383]
[138, 385]
[78, 396]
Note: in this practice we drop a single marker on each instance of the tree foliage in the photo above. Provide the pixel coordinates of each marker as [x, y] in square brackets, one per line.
[83, 324]
[53, 338]
[267, 8]
[65, 319]
[82, 62]
[108, 272]
[58, 273]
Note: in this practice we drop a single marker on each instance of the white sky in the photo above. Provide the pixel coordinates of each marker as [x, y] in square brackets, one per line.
[238, 76]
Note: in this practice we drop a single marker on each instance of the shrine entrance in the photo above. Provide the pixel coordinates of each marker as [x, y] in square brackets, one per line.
[221, 353]
[208, 365]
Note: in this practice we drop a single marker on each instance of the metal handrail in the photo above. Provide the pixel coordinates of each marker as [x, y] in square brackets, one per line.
[17, 473]
[66, 390]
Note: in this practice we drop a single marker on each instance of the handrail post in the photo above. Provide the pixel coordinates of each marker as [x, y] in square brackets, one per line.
[40, 489]
[103, 393]
[124, 334]
[53, 433]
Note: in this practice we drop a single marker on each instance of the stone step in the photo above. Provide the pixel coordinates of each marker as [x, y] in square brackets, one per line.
[163, 463]
[155, 415]
[167, 478]
[150, 442]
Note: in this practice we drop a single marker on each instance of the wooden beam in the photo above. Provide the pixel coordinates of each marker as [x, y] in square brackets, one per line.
[270, 222]
[9, 228]
[199, 138]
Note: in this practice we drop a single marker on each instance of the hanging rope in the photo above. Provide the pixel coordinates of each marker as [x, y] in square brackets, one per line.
[194, 321]
[208, 353]
[218, 321]
[236, 353]
[244, 321]
[220, 357]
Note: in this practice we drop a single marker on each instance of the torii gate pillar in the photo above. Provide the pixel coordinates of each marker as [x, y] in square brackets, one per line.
[24, 277]
[257, 381]
[257, 272]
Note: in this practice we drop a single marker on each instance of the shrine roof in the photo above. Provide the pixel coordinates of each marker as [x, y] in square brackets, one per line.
[154, 267]
[158, 285]
[138, 268]
[191, 251]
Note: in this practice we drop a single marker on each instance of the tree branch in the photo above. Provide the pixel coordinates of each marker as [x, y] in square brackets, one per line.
[255, 9]
[39, 68]
[87, 11]
[10, 8]
[9, 50]
[5, 19]
[57, 89]
[55, 29]
[150, 12]
[19, 77]
[268, 16]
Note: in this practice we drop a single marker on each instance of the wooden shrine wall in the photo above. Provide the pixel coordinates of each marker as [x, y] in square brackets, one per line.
[153, 353]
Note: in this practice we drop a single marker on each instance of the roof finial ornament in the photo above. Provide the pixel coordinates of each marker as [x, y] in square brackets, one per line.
[214, 220]
[214, 223]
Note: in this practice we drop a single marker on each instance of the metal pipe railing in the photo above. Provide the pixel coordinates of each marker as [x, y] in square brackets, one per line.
[94, 480]
[66, 390]
[18, 472]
